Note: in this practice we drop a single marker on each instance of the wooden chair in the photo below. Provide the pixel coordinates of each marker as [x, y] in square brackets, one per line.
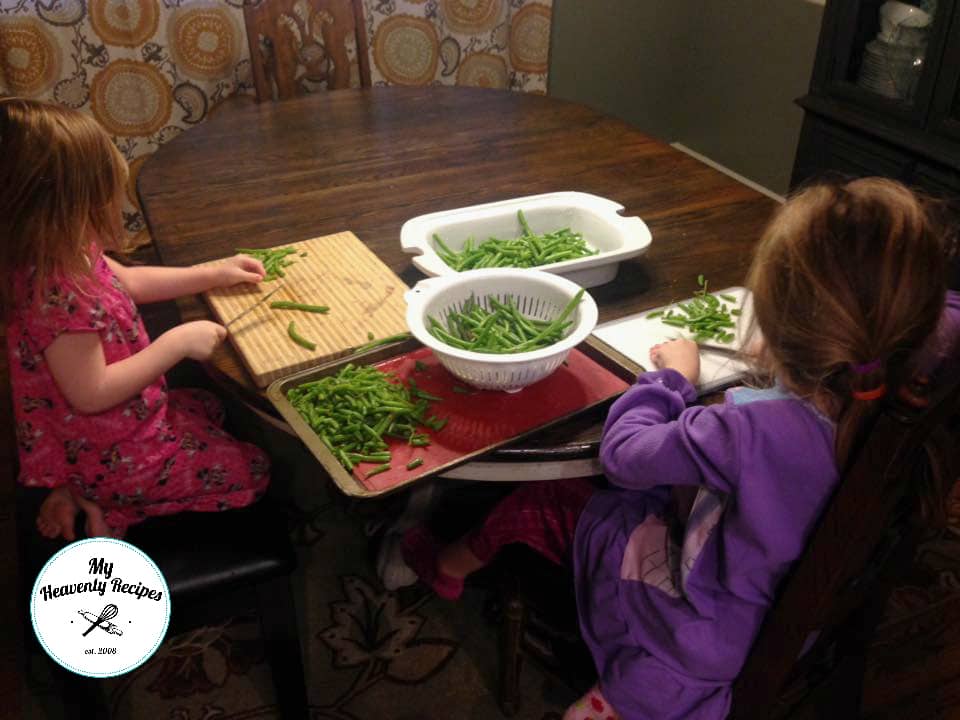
[298, 46]
[831, 601]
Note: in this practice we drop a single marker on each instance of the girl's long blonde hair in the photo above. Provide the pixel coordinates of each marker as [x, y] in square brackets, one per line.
[62, 182]
[848, 282]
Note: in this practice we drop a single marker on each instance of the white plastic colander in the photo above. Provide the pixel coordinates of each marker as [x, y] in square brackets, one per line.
[537, 294]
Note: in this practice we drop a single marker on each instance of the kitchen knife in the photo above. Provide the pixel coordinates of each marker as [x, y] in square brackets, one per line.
[255, 305]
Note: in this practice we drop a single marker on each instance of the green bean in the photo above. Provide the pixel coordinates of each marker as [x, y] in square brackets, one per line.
[528, 250]
[377, 470]
[273, 259]
[555, 327]
[299, 339]
[382, 341]
[435, 423]
[415, 463]
[373, 457]
[501, 329]
[705, 316]
[288, 305]
[354, 411]
[420, 394]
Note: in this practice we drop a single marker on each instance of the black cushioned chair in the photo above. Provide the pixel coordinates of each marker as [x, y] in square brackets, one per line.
[220, 564]
[216, 565]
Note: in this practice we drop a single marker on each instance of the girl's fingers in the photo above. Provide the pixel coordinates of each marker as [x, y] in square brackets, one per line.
[250, 264]
[236, 275]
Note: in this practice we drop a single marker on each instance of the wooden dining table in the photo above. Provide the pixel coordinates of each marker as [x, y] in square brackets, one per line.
[261, 175]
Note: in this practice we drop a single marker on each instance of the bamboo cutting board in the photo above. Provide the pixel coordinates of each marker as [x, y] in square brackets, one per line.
[339, 271]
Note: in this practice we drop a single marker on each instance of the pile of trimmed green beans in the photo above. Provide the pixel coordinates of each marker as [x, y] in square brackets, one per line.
[500, 330]
[355, 410]
[706, 316]
[528, 250]
[274, 260]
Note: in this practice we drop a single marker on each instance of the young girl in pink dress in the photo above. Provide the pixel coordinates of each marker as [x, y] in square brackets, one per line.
[95, 421]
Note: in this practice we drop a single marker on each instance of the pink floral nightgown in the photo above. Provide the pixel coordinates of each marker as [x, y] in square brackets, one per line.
[158, 453]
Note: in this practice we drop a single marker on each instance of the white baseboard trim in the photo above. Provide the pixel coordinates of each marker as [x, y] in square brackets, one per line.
[727, 171]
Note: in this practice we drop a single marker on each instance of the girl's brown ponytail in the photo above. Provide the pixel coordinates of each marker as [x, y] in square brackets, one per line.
[848, 283]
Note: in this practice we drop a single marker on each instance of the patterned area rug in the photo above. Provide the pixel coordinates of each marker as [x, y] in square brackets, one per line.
[377, 655]
[368, 653]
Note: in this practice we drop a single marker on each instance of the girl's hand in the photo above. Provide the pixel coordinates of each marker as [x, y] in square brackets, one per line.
[239, 269]
[198, 339]
[680, 355]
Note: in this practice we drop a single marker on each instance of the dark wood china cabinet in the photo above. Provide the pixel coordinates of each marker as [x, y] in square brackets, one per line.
[885, 98]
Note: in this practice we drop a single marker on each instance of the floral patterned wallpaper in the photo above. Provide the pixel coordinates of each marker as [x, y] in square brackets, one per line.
[488, 43]
[146, 70]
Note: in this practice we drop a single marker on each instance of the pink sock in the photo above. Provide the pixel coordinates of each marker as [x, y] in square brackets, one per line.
[592, 706]
[420, 553]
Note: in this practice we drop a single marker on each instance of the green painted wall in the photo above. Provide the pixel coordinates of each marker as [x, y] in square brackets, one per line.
[719, 76]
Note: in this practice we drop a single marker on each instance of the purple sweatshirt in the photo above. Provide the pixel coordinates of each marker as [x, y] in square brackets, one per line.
[670, 616]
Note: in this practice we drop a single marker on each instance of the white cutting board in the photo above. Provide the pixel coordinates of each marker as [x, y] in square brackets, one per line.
[634, 335]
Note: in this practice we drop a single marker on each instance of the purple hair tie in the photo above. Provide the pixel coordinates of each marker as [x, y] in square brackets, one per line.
[868, 367]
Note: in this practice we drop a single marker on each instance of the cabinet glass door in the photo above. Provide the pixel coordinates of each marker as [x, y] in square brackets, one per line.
[945, 111]
[882, 51]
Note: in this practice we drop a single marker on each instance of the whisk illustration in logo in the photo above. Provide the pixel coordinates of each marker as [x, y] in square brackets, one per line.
[100, 607]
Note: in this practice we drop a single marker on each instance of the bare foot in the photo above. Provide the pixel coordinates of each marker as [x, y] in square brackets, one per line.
[96, 526]
[57, 515]
[457, 560]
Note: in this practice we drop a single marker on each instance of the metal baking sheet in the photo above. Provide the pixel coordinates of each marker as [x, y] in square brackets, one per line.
[479, 421]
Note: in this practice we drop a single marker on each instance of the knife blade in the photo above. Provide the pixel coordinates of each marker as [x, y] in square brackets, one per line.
[721, 349]
[257, 304]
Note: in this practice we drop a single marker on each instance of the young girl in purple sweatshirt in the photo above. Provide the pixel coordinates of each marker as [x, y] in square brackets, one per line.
[678, 560]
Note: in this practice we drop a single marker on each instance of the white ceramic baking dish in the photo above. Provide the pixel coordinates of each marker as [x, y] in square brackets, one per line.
[618, 238]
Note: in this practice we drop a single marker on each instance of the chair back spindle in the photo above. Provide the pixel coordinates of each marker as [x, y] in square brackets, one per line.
[300, 46]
